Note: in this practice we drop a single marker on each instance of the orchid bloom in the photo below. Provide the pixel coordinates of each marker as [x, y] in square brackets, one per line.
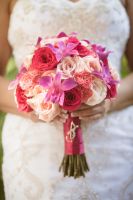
[62, 50]
[15, 82]
[105, 74]
[56, 88]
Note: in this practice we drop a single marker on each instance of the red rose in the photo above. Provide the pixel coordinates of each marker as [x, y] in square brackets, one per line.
[22, 100]
[112, 92]
[83, 51]
[43, 59]
[72, 100]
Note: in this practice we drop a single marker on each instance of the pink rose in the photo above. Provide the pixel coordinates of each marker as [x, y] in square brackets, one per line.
[29, 79]
[72, 100]
[43, 59]
[21, 100]
[45, 111]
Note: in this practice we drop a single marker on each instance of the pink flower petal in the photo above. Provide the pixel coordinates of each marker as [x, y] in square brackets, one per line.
[13, 84]
[38, 42]
[61, 102]
[57, 80]
[46, 81]
[68, 84]
[62, 34]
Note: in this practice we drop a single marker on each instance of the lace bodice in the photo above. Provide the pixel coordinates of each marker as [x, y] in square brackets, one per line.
[101, 21]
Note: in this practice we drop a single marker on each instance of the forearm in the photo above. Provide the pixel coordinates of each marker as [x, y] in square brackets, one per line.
[7, 102]
[6, 96]
[125, 94]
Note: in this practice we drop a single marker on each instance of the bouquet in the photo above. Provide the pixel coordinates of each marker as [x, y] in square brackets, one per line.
[64, 72]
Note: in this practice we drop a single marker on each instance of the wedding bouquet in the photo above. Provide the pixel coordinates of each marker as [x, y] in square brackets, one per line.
[64, 72]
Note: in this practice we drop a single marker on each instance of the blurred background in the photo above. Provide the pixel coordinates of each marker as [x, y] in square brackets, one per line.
[10, 74]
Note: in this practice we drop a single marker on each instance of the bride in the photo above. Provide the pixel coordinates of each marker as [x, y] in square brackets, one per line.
[33, 149]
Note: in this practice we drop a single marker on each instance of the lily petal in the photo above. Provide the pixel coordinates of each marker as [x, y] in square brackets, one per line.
[57, 80]
[46, 81]
[68, 84]
[61, 102]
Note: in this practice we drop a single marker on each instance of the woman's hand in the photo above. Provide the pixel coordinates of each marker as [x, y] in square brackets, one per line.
[89, 113]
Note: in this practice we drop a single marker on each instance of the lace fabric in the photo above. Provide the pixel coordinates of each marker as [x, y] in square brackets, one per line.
[33, 151]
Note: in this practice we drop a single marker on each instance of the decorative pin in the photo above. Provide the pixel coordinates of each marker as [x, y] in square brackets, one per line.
[72, 133]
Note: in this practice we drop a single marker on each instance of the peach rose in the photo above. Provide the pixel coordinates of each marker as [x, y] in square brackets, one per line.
[45, 111]
[67, 66]
[53, 41]
[88, 63]
[29, 79]
[33, 91]
[99, 92]
[28, 61]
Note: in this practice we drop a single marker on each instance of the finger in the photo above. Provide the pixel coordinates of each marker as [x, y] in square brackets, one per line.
[85, 106]
[89, 112]
[59, 119]
[92, 118]
[34, 117]
[64, 111]
[63, 116]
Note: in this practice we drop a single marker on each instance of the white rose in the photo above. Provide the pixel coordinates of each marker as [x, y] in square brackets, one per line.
[99, 90]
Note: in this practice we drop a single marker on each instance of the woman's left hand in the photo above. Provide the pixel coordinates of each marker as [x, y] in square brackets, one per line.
[91, 113]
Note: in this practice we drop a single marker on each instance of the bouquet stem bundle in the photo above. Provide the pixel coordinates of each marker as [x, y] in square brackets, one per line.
[74, 163]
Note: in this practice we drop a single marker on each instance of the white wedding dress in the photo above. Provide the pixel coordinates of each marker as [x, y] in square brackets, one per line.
[34, 151]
